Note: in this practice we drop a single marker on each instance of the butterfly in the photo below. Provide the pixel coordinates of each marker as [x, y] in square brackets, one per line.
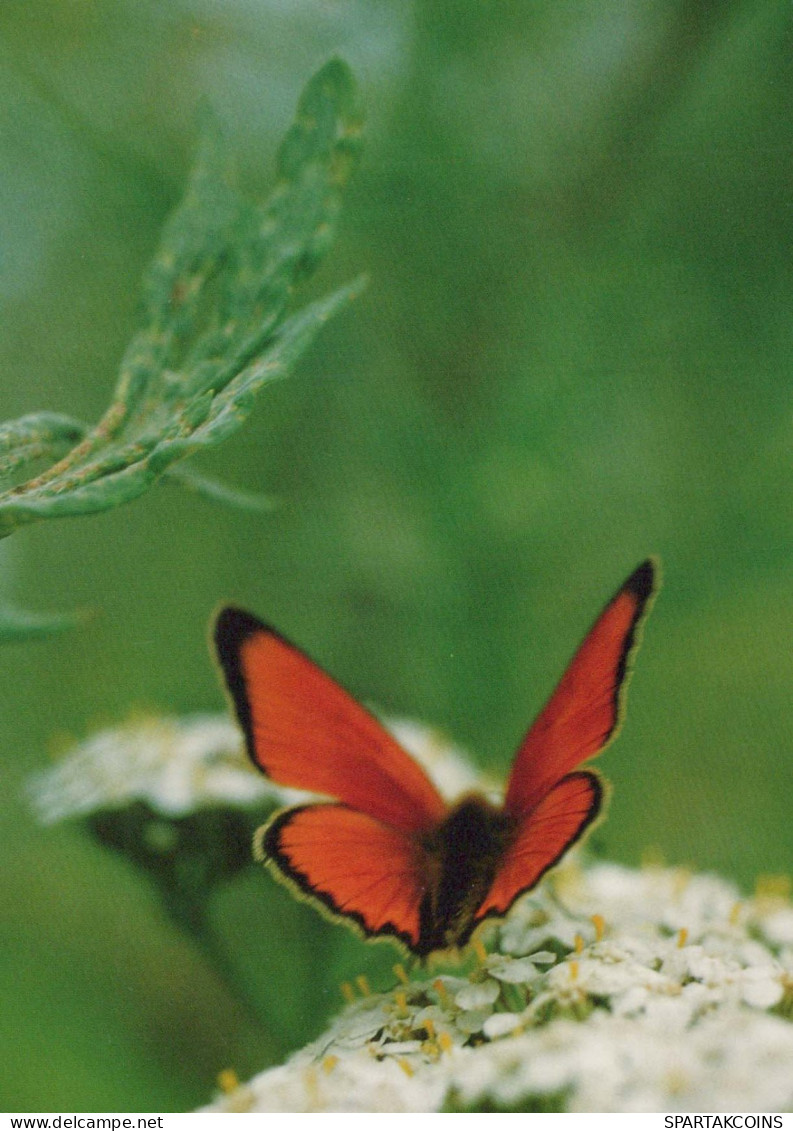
[388, 854]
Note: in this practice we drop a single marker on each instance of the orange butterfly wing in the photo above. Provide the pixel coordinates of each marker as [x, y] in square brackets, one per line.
[303, 730]
[352, 864]
[541, 839]
[585, 710]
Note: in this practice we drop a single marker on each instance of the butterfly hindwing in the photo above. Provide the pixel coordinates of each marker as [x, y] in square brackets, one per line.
[541, 839]
[351, 865]
[305, 731]
[584, 711]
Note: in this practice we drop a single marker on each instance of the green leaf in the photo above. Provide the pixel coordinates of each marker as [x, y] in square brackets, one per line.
[215, 323]
[42, 435]
[17, 626]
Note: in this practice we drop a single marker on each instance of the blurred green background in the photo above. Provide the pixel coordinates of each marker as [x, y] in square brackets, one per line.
[575, 349]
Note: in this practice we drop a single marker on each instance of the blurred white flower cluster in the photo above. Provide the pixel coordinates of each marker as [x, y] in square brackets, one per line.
[179, 766]
[611, 990]
[176, 766]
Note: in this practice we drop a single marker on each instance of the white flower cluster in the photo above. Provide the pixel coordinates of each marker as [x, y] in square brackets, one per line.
[178, 766]
[615, 990]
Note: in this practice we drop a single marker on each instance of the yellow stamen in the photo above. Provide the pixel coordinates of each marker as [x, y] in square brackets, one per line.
[441, 991]
[228, 1080]
[401, 973]
[573, 971]
[479, 951]
[347, 992]
[682, 936]
[329, 1063]
[429, 1025]
[362, 982]
[579, 944]
[735, 914]
[400, 997]
[405, 1065]
[445, 1042]
[599, 923]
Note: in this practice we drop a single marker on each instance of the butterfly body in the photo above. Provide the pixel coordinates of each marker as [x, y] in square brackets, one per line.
[465, 851]
[387, 853]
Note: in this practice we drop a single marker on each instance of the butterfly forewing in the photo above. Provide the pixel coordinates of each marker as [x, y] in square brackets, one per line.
[303, 730]
[584, 711]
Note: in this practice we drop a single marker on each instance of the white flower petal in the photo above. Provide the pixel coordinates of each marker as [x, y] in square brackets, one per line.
[515, 971]
[472, 1020]
[476, 995]
[542, 957]
[499, 1024]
